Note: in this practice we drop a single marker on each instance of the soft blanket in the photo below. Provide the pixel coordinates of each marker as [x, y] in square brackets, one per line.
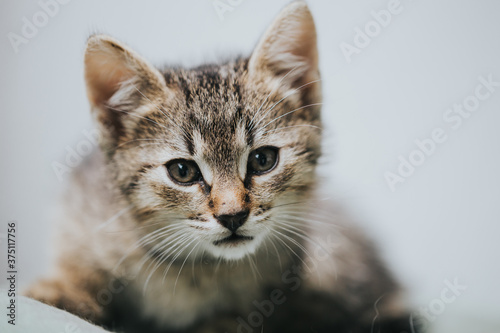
[34, 317]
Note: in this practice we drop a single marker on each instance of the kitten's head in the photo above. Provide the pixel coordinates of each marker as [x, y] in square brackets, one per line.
[206, 156]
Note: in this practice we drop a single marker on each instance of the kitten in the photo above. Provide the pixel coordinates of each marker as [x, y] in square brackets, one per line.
[200, 213]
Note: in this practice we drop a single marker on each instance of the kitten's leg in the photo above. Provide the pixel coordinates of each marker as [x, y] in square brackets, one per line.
[76, 296]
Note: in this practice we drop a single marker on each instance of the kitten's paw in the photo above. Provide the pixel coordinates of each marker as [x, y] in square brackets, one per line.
[67, 297]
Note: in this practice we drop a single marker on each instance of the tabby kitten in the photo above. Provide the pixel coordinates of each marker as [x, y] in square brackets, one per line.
[199, 211]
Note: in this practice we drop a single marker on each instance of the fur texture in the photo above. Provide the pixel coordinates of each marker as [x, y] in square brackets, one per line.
[140, 251]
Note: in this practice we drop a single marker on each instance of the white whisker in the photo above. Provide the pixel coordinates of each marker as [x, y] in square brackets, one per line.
[294, 91]
[285, 244]
[144, 240]
[130, 141]
[295, 242]
[282, 128]
[136, 115]
[140, 92]
[112, 218]
[183, 263]
[161, 260]
[179, 252]
[267, 97]
[289, 112]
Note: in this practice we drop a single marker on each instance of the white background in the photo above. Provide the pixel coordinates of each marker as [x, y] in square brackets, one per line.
[442, 223]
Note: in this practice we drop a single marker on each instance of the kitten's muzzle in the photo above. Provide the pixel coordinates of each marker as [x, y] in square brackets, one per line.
[233, 221]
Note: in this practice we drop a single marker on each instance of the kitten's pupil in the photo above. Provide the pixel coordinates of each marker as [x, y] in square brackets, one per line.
[183, 169]
[261, 158]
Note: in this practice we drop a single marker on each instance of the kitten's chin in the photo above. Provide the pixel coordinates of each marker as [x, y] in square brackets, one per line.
[234, 249]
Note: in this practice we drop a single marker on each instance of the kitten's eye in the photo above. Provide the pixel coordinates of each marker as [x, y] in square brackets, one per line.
[183, 171]
[263, 160]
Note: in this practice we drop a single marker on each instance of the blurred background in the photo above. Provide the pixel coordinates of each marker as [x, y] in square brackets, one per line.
[394, 72]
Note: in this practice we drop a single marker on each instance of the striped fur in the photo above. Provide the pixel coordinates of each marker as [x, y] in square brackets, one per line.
[140, 252]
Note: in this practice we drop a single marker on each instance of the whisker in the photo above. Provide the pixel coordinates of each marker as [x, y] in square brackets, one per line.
[296, 243]
[167, 241]
[172, 121]
[276, 249]
[282, 128]
[147, 144]
[289, 112]
[162, 110]
[183, 263]
[163, 244]
[253, 268]
[130, 141]
[217, 266]
[311, 219]
[135, 115]
[267, 97]
[140, 92]
[159, 233]
[161, 260]
[192, 266]
[310, 240]
[306, 220]
[283, 242]
[145, 240]
[146, 226]
[297, 232]
[305, 227]
[290, 203]
[267, 250]
[112, 218]
[175, 258]
[294, 91]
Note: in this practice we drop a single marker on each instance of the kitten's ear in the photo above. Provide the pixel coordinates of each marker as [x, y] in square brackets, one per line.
[288, 47]
[117, 78]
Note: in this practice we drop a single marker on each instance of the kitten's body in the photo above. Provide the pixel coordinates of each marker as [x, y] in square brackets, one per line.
[296, 245]
[342, 282]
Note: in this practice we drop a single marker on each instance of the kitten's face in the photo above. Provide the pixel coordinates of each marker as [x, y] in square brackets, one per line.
[206, 157]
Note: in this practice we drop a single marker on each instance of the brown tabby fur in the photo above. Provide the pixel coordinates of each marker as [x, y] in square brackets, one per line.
[327, 273]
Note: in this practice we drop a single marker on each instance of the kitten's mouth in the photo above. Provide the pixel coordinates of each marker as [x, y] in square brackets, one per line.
[234, 239]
